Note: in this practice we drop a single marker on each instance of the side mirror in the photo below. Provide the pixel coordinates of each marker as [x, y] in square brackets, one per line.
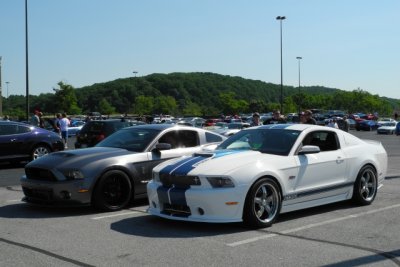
[309, 150]
[162, 146]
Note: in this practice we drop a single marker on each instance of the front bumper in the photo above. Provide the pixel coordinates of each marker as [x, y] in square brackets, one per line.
[63, 193]
[196, 204]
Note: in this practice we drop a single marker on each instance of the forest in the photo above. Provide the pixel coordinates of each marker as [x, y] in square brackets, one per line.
[194, 94]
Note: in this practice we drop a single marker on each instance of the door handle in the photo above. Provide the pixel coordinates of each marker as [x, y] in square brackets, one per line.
[339, 160]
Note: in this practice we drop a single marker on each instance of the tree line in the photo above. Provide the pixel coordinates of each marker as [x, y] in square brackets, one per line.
[194, 94]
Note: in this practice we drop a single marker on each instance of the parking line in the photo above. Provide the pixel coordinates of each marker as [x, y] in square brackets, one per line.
[115, 215]
[13, 200]
[269, 235]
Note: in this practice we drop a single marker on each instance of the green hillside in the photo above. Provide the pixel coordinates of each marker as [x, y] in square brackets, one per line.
[195, 94]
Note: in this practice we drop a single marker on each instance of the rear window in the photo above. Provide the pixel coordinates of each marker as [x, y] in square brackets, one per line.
[211, 138]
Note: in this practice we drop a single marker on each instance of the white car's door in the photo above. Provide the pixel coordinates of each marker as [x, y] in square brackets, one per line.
[324, 171]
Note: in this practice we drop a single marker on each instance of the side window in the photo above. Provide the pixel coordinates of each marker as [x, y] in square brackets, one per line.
[326, 141]
[188, 138]
[8, 129]
[23, 129]
[170, 138]
[211, 138]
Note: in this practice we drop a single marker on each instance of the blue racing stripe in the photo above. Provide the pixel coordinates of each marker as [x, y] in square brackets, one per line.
[177, 196]
[169, 168]
[186, 167]
[162, 193]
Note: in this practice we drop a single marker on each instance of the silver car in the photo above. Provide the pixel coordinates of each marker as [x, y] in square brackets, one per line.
[115, 171]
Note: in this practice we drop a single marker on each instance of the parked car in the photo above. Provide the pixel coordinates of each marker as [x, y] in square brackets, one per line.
[96, 130]
[366, 125]
[231, 128]
[263, 171]
[20, 142]
[387, 128]
[116, 170]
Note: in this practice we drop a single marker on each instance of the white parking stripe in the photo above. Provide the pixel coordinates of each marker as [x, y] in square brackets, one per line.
[115, 215]
[269, 235]
[13, 200]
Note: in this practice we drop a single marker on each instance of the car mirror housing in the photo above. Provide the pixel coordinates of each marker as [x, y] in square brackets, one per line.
[309, 150]
[162, 146]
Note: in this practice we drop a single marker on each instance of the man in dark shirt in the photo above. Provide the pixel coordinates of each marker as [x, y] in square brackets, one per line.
[309, 118]
[277, 118]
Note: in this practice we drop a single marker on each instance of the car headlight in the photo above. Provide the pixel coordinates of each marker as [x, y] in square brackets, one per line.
[220, 182]
[73, 175]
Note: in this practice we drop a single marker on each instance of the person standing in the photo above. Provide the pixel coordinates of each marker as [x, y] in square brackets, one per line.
[35, 120]
[332, 123]
[346, 124]
[309, 118]
[64, 123]
[255, 120]
[277, 118]
[41, 120]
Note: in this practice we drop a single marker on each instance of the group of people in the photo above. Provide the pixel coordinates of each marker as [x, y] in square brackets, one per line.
[277, 118]
[305, 117]
[60, 124]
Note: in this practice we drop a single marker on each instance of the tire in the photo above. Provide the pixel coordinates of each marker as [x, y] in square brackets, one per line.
[365, 186]
[39, 151]
[263, 204]
[113, 191]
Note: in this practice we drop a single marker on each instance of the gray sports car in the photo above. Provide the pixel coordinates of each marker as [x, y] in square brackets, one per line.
[115, 171]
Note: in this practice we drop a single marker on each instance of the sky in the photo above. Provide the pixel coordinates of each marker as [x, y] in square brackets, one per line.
[344, 44]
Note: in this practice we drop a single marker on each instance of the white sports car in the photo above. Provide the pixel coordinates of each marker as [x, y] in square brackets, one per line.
[263, 171]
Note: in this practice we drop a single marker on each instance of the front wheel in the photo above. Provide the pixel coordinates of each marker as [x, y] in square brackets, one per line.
[39, 151]
[113, 191]
[263, 204]
[366, 186]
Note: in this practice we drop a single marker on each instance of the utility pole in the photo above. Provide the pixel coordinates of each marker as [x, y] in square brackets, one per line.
[1, 93]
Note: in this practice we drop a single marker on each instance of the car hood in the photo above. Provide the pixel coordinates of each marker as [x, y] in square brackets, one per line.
[78, 157]
[219, 162]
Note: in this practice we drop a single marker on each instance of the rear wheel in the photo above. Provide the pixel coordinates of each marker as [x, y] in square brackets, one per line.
[39, 151]
[263, 204]
[113, 191]
[366, 186]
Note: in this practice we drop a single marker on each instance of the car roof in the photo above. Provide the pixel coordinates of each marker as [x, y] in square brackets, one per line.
[14, 122]
[161, 126]
[296, 126]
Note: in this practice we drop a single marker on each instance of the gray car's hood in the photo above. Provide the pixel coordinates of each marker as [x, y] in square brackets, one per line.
[78, 157]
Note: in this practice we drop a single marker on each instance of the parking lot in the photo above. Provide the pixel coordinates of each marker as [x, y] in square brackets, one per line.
[334, 235]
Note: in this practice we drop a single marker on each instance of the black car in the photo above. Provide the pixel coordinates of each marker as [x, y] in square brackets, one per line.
[96, 130]
[20, 141]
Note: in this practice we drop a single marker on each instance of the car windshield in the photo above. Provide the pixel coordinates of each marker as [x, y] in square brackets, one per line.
[132, 139]
[270, 141]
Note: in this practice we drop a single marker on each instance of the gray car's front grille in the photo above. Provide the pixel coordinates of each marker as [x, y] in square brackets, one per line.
[39, 174]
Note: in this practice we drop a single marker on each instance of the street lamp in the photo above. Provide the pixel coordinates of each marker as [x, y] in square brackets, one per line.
[135, 72]
[280, 18]
[26, 61]
[299, 58]
[7, 88]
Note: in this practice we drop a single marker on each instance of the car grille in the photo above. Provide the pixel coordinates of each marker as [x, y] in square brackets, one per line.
[39, 174]
[38, 194]
[168, 180]
[176, 210]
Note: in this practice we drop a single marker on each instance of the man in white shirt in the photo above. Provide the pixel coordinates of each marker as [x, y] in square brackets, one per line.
[64, 123]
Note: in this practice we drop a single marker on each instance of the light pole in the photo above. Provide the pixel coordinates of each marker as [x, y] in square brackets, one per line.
[299, 58]
[135, 72]
[26, 61]
[7, 88]
[280, 18]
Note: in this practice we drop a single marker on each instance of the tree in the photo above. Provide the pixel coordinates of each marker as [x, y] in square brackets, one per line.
[66, 99]
[105, 107]
[143, 105]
